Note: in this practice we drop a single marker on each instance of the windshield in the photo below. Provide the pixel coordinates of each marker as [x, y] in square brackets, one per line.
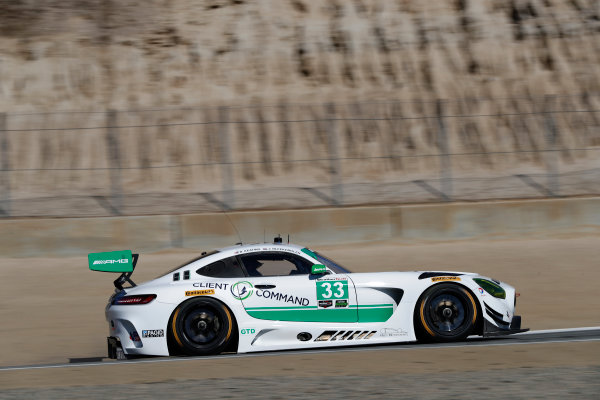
[332, 265]
[204, 254]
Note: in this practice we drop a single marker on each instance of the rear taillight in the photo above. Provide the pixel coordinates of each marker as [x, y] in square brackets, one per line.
[133, 299]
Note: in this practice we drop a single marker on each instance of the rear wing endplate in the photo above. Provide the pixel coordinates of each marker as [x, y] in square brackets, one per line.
[123, 261]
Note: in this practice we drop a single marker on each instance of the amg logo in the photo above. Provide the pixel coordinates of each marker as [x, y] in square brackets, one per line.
[121, 261]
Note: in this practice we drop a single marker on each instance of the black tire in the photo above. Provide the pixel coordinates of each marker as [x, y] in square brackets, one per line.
[445, 312]
[201, 326]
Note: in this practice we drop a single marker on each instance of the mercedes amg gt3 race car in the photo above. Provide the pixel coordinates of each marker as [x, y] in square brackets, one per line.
[274, 296]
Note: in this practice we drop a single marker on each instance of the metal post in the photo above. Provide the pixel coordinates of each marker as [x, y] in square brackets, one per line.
[445, 162]
[114, 161]
[337, 189]
[552, 155]
[5, 169]
[226, 166]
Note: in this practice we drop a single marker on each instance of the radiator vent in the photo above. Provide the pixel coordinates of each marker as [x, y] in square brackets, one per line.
[496, 316]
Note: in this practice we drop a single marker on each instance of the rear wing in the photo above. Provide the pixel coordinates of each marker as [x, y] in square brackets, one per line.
[122, 261]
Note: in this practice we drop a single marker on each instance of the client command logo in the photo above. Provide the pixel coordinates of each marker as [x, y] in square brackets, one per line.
[242, 290]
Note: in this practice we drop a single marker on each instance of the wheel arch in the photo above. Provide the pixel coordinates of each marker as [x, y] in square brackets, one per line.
[478, 325]
[174, 347]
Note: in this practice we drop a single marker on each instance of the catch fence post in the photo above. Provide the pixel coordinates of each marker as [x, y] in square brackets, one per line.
[226, 166]
[337, 189]
[552, 154]
[445, 162]
[114, 161]
[5, 169]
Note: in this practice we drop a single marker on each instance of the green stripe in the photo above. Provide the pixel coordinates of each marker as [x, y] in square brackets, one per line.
[375, 314]
[370, 313]
[315, 307]
[376, 306]
[282, 308]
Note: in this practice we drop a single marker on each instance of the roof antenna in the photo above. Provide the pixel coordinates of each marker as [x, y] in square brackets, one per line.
[264, 235]
[234, 227]
[288, 238]
[222, 206]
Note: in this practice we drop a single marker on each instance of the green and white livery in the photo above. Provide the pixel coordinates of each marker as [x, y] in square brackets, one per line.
[274, 296]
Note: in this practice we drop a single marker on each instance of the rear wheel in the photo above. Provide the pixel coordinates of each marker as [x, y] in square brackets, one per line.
[201, 326]
[444, 313]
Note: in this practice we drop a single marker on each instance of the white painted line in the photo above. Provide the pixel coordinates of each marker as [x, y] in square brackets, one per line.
[587, 328]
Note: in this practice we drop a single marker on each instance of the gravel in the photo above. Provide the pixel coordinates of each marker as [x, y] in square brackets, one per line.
[518, 383]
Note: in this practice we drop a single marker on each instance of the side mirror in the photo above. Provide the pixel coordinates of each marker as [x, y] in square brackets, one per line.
[318, 269]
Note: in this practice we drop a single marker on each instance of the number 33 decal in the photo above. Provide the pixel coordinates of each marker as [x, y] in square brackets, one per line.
[327, 290]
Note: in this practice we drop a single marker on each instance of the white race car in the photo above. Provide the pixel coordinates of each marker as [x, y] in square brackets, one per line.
[274, 296]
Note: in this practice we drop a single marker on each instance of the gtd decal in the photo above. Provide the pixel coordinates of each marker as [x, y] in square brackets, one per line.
[247, 331]
[242, 290]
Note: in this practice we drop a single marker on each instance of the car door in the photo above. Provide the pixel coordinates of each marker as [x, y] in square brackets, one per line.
[279, 287]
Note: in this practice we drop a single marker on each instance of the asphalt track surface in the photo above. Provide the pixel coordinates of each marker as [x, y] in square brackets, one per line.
[586, 334]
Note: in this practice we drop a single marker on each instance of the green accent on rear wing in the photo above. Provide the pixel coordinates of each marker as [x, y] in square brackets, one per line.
[111, 261]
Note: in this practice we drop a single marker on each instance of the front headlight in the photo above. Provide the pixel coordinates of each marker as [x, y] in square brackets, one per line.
[492, 288]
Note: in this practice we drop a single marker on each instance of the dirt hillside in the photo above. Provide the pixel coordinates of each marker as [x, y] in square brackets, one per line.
[85, 54]
[236, 97]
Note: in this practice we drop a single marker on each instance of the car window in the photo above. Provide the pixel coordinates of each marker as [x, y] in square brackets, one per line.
[225, 268]
[332, 265]
[275, 264]
[204, 254]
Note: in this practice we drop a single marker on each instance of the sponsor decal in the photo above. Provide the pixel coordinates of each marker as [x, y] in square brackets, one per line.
[211, 285]
[287, 298]
[332, 290]
[249, 331]
[253, 250]
[341, 303]
[150, 333]
[319, 269]
[445, 278]
[325, 303]
[134, 336]
[281, 249]
[121, 261]
[332, 278]
[245, 251]
[392, 332]
[242, 290]
[481, 291]
[199, 292]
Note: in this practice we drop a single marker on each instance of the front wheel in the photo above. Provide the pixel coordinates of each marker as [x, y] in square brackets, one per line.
[445, 313]
[201, 326]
